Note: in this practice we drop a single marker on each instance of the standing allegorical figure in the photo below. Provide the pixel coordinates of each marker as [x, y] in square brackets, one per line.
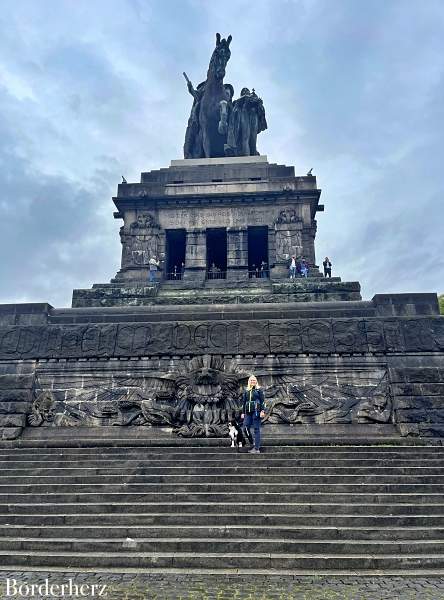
[246, 121]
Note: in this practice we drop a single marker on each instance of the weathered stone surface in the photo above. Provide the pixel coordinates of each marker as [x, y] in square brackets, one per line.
[15, 407]
[404, 305]
[227, 337]
[12, 420]
[232, 291]
[11, 433]
[419, 415]
[24, 314]
[426, 375]
[13, 395]
[15, 381]
[420, 402]
[418, 389]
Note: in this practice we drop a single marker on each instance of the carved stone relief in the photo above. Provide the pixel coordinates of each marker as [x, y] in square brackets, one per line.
[334, 398]
[199, 397]
[325, 336]
[144, 221]
[288, 240]
[288, 215]
[141, 242]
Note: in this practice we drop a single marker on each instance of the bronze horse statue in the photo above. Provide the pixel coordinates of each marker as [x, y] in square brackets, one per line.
[213, 105]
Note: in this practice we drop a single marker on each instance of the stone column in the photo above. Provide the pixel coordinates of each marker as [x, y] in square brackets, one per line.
[195, 255]
[308, 242]
[237, 253]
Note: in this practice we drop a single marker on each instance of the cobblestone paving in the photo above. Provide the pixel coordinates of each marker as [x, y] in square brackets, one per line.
[125, 586]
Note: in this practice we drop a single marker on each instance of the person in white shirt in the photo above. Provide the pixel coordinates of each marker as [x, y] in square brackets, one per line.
[153, 264]
[293, 267]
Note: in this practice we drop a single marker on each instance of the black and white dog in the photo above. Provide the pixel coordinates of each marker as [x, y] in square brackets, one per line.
[236, 434]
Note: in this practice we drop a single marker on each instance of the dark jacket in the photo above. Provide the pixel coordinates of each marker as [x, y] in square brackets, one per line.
[253, 401]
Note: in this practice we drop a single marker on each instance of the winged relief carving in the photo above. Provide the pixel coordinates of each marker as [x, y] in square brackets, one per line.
[199, 397]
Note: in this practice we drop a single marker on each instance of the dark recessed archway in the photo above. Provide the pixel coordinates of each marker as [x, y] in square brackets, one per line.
[217, 252]
[258, 251]
[175, 252]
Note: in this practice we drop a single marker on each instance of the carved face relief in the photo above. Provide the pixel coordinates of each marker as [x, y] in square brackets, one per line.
[204, 387]
[144, 221]
[288, 215]
[43, 409]
[379, 402]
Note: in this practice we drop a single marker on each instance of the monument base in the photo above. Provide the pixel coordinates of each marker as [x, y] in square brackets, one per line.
[320, 363]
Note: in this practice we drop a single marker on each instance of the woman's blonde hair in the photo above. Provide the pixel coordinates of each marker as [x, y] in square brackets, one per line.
[250, 379]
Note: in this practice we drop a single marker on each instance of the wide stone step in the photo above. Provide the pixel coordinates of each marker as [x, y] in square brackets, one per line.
[222, 451]
[231, 496]
[294, 484]
[416, 519]
[295, 440]
[128, 485]
[227, 466]
[332, 508]
[216, 562]
[316, 480]
[223, 448]
[314, 470]
[227, 532]
[215, 545]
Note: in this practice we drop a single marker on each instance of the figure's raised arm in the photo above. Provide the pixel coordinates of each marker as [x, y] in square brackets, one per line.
[189, 85]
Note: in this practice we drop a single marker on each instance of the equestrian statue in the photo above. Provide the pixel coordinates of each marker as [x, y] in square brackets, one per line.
[218, 126]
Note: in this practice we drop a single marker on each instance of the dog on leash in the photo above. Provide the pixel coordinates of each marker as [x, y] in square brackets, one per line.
[236, 434]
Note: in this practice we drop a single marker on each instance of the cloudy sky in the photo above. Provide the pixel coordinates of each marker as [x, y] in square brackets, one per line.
[92, 89]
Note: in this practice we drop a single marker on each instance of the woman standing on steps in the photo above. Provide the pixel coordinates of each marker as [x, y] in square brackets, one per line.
[253, 410]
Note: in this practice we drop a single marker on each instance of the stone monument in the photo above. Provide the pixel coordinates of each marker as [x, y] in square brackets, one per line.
[203, 299]
[219, 126]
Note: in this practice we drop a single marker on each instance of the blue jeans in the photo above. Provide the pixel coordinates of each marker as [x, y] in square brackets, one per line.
[152, 275]
[252, 420]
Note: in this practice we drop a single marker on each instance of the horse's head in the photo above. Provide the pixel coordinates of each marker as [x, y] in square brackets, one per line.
[221, 56]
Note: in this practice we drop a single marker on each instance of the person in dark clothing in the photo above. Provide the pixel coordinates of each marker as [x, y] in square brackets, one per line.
[253, 410]
[304, 268]
[327, 267]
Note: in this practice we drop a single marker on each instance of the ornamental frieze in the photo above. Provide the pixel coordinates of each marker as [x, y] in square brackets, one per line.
[318, 336]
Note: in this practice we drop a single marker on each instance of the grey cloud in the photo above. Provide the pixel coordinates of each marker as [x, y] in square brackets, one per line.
[94, 90]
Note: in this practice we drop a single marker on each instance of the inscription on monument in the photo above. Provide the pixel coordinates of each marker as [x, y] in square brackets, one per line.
[215, 217]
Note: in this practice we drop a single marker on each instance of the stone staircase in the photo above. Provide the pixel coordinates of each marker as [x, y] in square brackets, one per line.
[210, 292]
[293, 509]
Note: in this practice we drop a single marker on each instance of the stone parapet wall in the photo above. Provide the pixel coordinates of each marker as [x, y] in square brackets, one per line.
[375, 367]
